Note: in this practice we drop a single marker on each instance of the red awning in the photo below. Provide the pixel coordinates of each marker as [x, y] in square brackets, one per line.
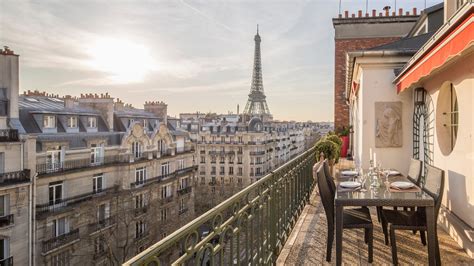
[450, 46]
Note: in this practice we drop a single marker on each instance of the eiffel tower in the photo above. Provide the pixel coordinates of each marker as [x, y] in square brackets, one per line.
[256, 104]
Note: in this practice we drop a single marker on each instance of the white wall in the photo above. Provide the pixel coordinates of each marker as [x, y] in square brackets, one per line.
[375, 79]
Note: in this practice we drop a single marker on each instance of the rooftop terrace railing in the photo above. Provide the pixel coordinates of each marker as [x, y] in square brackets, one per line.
[9, 135]
[47, 168]
[250, 227]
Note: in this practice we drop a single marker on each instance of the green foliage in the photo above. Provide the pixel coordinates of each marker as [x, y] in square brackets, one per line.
[328, 148]
[344, 131]
[336, 139]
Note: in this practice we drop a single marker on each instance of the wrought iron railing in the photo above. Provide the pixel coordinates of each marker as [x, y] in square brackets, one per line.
[101, 224]
[6, 220]
[250, 227]
[46, 168]
[257, 152]
[7, 261]
[185, 190]
[7, 135]
[61, 240]
[15, 177]
[60, 204]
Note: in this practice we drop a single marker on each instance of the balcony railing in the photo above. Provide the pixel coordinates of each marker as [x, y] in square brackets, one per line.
[141, 210]
[9, 135]
[7, 261]
[6, 221]
[257, 152]
[66, 202]
[185, 190]
[182, 211]
[46, 168]
[185, 170]
[102, 224]
[250, 227]
[61, 240]
[15, 177]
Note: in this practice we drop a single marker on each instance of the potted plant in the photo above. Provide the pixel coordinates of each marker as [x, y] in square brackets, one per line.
[344, 136]
[330, 151]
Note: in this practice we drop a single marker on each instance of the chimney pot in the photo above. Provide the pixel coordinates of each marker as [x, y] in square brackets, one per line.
[359, 13]
[414, 11]
[400, 11]
[353, 15]
[374, 13]
[346, 13]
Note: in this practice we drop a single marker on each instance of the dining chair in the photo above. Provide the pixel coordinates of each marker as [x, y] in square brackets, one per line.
[352, 218]
[414, 175]
[416, 219]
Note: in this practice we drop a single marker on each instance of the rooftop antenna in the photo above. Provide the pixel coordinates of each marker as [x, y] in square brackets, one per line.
[366, 6]
[257, 29]
[340, 7]
[395, 5]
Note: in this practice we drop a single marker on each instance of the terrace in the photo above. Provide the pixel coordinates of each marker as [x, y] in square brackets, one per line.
[280, 219]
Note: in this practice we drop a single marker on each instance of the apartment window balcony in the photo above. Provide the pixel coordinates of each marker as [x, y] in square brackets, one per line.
[101, 225]
[64, 203]
[9, 135]
[221, 173]
[59, 241]
[185, 170]
[202, 152]
[213, 173]
[185, 190]
[257, 153]
[166, 200]
[183, 211]
[251, 142]
[6, 221]
[7, 261]
[141, 210]
[240, 152]
[202, 173]
[141, 236]
[15, 177]
[47, 168]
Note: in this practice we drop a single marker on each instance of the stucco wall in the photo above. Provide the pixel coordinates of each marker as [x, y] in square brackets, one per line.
[376, 86]
[459, 164]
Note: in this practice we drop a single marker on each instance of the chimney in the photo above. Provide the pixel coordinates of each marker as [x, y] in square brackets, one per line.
[346, 13]
[414, 11]
[374, 13]
[68, 102]
[160, 109]
[118, 105]
[359, 13]
[102, 103]
[238, 109]
[9, 63]
[400, 11]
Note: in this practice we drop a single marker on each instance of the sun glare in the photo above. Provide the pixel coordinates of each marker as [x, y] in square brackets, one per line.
[122, 60]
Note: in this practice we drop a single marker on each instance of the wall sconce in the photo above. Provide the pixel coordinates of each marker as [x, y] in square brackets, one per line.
[420, 96]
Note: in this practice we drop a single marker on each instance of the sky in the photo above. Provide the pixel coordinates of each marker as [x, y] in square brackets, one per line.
[193, 55]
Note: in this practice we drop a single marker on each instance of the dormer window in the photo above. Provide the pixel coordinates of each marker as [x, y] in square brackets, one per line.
[49, 121]
[130, 121]
[92, 122]
[72, 122]
[137, 149]
[145, 123]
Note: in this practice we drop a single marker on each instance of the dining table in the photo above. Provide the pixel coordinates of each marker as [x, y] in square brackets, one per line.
[384, 196]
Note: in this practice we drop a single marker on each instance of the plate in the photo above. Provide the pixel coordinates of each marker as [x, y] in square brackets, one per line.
[402, 184]
[392, 172]
[349, 173]
[349, 184]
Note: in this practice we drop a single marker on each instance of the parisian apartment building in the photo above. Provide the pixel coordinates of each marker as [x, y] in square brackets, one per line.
[87, 180]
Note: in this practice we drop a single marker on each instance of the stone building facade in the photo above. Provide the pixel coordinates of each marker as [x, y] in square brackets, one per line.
[16, 165]
[357, 32]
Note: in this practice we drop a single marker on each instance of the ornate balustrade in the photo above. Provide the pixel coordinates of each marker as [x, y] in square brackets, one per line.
[250, 227]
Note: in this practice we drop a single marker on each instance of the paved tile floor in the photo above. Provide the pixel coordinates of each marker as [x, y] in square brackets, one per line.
[307, 243]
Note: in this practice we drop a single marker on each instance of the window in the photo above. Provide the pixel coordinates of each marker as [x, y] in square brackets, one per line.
[55, 192]
[3, 102]
[165, 169]
[60, 226]
[92, 122]
[180, 164]
[447, 118]
[213, 170]
[2, 162]
[97, 154]
[140, 175]
[222, 159]
[4, 205]
[103, 212]
[231, 170]
[240, 140]
[166, 191]
[182, 205]
[98, 183]
[137, 149]
[239, 160]
[4, 249]
[239, 172]
[203, 159]
[164, 214]
[140, 229]
[53, 160]
[222, 140]
[139, 201]
[213, 159]
[222, 172]
[99, 245]
[183, 183]
[72, 122]
[145, 123]
[61, 259]
[49, 121]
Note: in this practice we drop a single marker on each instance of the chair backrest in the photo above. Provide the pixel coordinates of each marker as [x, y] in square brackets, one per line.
[327, 195]
[434, 185]
[414, 173]
[329, 178]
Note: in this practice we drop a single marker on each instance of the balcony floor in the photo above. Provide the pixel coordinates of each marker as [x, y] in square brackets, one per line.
[307, 243]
